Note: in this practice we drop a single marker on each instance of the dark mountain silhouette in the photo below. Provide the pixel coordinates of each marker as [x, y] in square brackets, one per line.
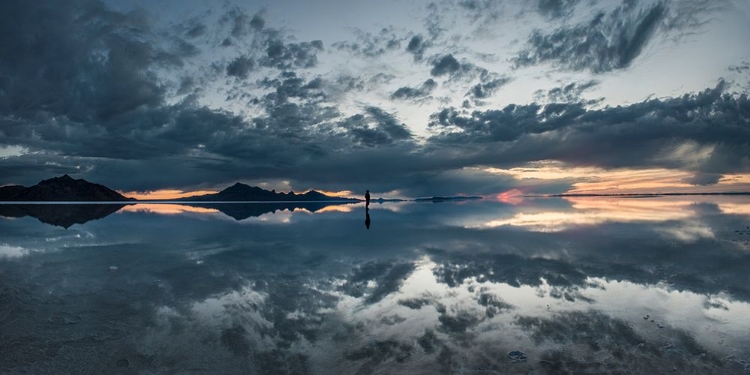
[242, 192]
[240, 211]
[61, 215]
[64, 188]
[8, 192]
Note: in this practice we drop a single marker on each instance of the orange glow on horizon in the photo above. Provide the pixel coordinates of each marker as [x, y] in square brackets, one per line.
[512, 196]
[335, 208]
[594, 180]
[164, 194]
[167, 209]
[340, 194]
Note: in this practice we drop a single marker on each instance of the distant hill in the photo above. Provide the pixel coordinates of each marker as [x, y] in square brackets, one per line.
[241, 192]
[61, 189]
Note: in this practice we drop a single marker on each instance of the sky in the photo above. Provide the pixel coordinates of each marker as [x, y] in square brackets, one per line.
[404, 98]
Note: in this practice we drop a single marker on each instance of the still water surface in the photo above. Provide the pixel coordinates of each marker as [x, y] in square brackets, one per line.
[585, 285]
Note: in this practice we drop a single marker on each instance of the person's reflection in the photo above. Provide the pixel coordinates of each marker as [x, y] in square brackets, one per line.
[367, 217]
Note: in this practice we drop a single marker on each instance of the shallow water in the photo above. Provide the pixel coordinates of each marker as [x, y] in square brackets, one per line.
[584, 285]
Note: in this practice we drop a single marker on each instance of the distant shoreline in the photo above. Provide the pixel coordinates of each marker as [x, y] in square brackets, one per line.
[379, 201]
[634, 195]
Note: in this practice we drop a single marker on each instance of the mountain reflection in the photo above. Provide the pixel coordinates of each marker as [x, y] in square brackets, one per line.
[440, 293]
[244, 211]
[65, 215]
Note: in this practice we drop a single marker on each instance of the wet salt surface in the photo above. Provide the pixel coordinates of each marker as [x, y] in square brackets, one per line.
[545, 286]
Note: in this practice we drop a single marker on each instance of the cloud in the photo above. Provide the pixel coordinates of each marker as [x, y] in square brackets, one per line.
[121, 100]
[415, 93]
[240, 67]
[388, 277]
[698, 132]
[375, 128]
[268, 47]
[91, 71]
[740, 68]
[455, 70]
[241, 24]
[434, 22]
[485, 89]
[445, 65]
[417, 46]
[196, 30]
[607, 42]
[258, 22]
[704, 179]
[551, 9]
[282, 55]
[570, 93]
[372, 45]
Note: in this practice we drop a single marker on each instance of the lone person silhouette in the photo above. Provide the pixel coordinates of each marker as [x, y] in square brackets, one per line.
[367, 199]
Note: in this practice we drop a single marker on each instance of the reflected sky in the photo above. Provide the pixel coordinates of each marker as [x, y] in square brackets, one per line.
[577, 285]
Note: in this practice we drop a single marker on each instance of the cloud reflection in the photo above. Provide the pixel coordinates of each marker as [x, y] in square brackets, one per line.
[592, 211]
[422, 292]
[167, 209]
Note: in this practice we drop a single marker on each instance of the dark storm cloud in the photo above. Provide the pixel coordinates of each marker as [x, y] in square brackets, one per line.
[86, 86]
[607, 42]
[415, 92]
[699, 132]
[507, 124]
[84, 62]
[375, 128]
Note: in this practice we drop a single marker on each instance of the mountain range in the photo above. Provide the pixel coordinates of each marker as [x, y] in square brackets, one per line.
[68, 189]
[61, 189]
[240, 192]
